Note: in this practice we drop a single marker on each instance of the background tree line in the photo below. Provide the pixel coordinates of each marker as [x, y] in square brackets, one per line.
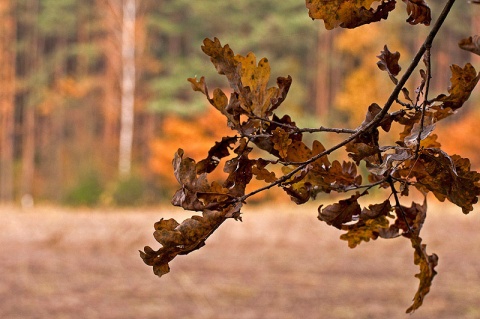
[94, 97]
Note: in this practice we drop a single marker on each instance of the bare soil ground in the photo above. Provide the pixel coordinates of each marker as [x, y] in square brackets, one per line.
[279, 263]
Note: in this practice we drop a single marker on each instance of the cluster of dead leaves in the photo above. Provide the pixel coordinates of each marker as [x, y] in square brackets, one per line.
[303, 171]
[354, 13]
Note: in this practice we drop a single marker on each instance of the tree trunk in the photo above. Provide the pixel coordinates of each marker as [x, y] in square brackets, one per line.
[32, 63]
[110, 86]
[323, 97]
[128, 88]
[7, 98]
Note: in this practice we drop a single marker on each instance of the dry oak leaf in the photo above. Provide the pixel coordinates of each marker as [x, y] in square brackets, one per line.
[427, 264]
[364, 230]
[418, 12]
[224, 61]
[340, 213]
[471, 44]
[281, 141]
[348, 13]
[463, 81]
[215, 154]
[180, 239]
[247, 79]
[389, 62]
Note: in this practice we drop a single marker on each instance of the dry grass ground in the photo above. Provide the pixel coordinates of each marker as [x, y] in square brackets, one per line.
[279, 263]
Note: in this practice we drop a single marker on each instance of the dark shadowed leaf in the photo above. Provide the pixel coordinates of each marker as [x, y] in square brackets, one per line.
[427, 264]
[446, 177]
[471, 44]
[418, 12]
[389, 63]
[215, 154]
[340, 213]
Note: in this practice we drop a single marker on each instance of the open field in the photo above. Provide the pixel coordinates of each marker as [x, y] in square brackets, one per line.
[281, 263]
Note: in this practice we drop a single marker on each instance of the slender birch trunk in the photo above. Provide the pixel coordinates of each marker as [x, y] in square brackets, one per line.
[128, 88]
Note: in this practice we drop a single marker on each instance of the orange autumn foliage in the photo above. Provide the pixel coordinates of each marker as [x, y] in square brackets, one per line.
[194, 135]
[456, 137]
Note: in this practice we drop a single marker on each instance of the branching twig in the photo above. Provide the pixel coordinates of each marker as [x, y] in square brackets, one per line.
[305, 130]
[378, 118]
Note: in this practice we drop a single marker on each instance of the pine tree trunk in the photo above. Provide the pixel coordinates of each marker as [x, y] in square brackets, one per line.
[111, 46]
[32, 64]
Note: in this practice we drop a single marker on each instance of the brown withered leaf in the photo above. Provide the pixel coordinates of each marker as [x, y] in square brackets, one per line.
[466, 189]
[230, 109]
[342, 176]
[340, 213]
[283, 84]
[471, 44]
[180, 239]
[463, 81]
[239, 170]
[298, 152]
[364, 230]
[215, 154]
[199, 86]
[418, 12]
[362, 151]
[248, 81]
[373, 111]
[322, 162]
[224, 61]
[427, 264]
[406, 95]
[195, 192]
[447, 177]
[256, 97]
[300, 193]
[389, 63]
[262, 173]
[348, 13]
[265, 142]
[376, 210]
[320, 176]
[281, 141]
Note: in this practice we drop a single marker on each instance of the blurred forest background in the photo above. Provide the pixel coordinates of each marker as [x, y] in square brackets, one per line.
[94, 99]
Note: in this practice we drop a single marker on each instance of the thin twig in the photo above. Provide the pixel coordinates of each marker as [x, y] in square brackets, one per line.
[305, 130]
[424, 105]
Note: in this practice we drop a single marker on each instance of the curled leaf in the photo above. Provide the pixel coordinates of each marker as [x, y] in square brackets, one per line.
[180, 239]
[418, 12]
[340, 213]
[427, 264]
[471, 44]
[463, 81]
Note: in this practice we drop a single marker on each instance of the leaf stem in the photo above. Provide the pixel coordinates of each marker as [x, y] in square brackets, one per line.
[424, 104]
